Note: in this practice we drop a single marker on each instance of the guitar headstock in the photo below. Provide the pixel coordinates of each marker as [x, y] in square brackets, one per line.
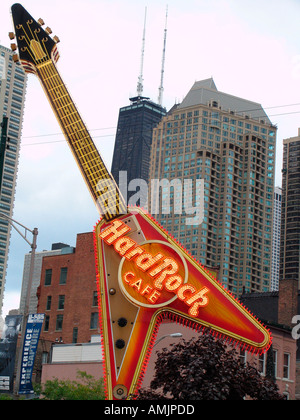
[35, 43]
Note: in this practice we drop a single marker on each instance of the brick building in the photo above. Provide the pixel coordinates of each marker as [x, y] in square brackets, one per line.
[68, 294]
[276, 310]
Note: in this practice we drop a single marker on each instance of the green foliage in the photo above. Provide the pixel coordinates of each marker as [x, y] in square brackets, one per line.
[86, 388]
[5, 397]
[205, 369]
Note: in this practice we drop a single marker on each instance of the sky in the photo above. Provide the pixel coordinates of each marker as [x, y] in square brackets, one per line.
[250, 48]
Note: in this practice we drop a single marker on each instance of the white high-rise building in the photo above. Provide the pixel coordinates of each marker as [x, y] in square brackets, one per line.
[276, 239]
[13, 82]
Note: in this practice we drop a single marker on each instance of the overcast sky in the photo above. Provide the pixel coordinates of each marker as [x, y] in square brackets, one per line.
[250, 48]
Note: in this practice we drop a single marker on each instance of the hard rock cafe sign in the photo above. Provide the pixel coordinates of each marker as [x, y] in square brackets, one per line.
[145, 276]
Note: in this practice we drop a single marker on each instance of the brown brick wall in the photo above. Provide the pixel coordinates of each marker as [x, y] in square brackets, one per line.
[78, 291]
[288, 301]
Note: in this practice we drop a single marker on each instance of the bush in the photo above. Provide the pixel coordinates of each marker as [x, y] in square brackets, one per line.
[86, 388]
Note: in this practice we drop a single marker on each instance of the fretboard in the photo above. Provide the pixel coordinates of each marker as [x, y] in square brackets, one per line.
[100, 182]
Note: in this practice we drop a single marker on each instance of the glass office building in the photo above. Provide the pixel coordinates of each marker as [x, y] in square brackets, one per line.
[133, 142]
[290, 210]
[12, 96]
[229, 143]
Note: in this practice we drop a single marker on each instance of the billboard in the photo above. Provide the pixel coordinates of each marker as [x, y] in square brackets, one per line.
[8, 345]
[31, 339]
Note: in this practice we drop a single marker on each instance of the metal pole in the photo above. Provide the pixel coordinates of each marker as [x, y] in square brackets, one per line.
[28, 292]
[26, 310]
[177, 335]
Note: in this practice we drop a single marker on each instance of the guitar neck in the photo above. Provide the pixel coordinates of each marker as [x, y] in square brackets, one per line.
[100, 182]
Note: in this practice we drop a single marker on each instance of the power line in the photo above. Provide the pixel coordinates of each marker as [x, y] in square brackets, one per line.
[59, 141]
[114, 128]
[57, 134]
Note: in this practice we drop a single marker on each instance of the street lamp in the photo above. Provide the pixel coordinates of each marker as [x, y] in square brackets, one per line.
[29, 286]
[177, 335]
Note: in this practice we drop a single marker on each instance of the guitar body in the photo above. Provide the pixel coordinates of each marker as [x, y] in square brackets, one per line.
[138, 290]
[144, 275]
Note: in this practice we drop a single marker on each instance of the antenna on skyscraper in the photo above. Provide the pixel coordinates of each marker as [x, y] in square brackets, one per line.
[161, 88]
[140, 86]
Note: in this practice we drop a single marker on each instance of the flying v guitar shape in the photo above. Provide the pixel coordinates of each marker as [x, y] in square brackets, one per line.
[145, 276]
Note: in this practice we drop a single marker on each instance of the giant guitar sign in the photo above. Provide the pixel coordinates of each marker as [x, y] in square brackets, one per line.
[145, 276]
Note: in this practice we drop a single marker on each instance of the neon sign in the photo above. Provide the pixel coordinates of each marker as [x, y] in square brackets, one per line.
[158, 275]
[146, 278]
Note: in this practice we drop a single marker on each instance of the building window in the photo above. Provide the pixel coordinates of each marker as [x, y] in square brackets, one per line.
[45, 357]
[275, 354]
[46, 324]
[95, 299]
[262, 364]
[48, 277]
[75, 335]
[59, 322]
[286, 365]
[243, 357]
[61, 302]
[94, 321]
[48, 304]
[63, 275]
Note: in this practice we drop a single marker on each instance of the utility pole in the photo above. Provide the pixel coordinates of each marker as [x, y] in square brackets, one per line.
[33, 246]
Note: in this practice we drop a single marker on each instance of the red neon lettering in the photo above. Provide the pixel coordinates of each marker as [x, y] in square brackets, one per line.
[148, 289]
[133, 253]
[183, 289]
[137, 284]
[169, 266]
[154, 296]
[198, 300]
[163, 275]
[198, 295]
[113, 232]
[123, 245]
[126, 275]
[173, 283]
[146, 261]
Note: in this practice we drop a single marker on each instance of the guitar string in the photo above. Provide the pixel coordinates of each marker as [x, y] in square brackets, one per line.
[70, 123]
[78, 122]
[80, 153]
[85, 168]
[49, 73]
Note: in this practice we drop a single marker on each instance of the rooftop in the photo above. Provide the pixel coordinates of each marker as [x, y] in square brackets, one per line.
[205, 91]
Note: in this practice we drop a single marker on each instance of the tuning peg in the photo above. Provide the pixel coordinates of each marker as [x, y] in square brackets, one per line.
[11, 35]
[56, 39]
[13, 47]
[16, 58]
[48, 30]
[41, 22]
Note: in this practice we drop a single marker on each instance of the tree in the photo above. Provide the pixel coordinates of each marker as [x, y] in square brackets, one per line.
[87, 388]
[205, 369]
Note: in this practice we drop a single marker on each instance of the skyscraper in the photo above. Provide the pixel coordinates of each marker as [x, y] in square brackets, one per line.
[229, 143]
[12, 96]
[133, 141]
[290, 211]
[276, 239]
